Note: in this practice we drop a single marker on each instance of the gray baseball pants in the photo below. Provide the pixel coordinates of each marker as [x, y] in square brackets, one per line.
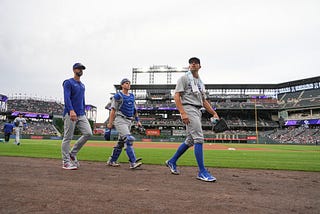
[18, 131]
[194, 128]
[123, 126]
[83, 125]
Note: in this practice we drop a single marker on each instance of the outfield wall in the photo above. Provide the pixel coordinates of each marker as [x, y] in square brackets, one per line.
[226, 139]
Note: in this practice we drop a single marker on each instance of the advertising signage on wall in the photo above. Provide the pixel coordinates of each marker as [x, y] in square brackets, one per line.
[31, 115]
[152, 132]
[302, 122]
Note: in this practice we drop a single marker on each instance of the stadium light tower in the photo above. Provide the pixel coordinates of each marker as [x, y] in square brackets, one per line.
[157, 69]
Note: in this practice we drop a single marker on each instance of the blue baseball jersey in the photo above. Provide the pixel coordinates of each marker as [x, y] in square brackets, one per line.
[124, 103]
[74, 97]
[8, 128]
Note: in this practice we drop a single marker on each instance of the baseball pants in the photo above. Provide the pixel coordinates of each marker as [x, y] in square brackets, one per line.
[69, 126]
[194, 128]
[18, 131]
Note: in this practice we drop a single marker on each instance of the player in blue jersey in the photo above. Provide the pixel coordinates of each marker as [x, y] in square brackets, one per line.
[123, 112]
[7, 129]
[74, 115]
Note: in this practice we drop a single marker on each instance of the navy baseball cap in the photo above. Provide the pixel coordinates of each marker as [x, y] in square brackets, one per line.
[79, 65]
[124, 81]
[194, 60]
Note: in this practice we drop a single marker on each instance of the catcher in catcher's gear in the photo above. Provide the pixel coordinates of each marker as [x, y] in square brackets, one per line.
[123, 112]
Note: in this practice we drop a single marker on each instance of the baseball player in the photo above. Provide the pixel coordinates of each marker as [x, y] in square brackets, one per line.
[19, 123]
[74, 115]
[123, 112]
[7, 129]
[190, 98]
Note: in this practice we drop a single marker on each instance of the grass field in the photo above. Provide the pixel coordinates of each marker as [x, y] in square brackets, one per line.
[284, 157]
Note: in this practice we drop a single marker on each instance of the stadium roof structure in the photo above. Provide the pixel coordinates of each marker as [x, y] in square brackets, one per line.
[291, 86]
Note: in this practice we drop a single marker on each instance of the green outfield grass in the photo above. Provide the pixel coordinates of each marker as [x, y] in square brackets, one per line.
[284, 157]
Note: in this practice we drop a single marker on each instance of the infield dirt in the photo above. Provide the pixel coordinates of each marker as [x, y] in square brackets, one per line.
[31, 185]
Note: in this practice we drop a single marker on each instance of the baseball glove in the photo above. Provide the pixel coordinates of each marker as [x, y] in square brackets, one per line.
[220, 126]
[141, 130]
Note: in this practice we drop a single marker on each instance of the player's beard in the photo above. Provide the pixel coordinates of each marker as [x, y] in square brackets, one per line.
[79, 74]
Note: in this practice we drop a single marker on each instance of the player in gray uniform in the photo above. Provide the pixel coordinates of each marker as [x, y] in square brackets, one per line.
[123, 112]
[190, 98]
[19, 123]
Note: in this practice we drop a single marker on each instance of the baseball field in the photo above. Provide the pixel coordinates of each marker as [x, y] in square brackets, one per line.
[250, 179]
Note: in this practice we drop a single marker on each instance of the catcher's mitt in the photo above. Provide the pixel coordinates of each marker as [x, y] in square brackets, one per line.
[141, 130]
[220, 126]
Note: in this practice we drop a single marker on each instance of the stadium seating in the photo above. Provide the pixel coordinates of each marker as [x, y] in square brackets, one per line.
[297, 135]
[304, 98]
[34, 105]
[37, 128]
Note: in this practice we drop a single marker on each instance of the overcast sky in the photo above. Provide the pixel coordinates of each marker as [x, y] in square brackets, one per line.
[247, 41]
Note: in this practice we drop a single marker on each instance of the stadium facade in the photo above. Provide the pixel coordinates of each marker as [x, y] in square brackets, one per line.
[252, 111]
[287, 112]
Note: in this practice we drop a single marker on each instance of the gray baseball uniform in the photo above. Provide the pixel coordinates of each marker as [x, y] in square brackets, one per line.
[121, 122]
[19, 128]
[192, 102]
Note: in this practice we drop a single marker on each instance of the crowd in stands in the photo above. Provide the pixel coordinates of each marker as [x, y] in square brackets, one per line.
[300, 99]
[217, 105]
[297, 135]
[41, 128]
[35, 105]
[37, 128]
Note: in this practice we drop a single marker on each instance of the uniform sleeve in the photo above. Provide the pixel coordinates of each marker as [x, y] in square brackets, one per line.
[204, 95]
[135, 105]
[180, 87]
[67, 95]
[84, 97]
[115, 102]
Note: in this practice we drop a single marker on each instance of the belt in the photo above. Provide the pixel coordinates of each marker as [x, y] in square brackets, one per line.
[187, 104]
[129, 118]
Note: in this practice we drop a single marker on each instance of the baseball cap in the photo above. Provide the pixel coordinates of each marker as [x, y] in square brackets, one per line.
[124, 81]
[79, 65]
[194, 59]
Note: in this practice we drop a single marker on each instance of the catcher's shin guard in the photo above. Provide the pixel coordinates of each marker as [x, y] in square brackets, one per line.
[129, 148]
[116, 152]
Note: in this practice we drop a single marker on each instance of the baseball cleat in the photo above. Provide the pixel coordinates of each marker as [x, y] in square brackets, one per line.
[172, 167]
[206, 176]
[69, 166]
[135, 165]
[74, 160]
[112, 163]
